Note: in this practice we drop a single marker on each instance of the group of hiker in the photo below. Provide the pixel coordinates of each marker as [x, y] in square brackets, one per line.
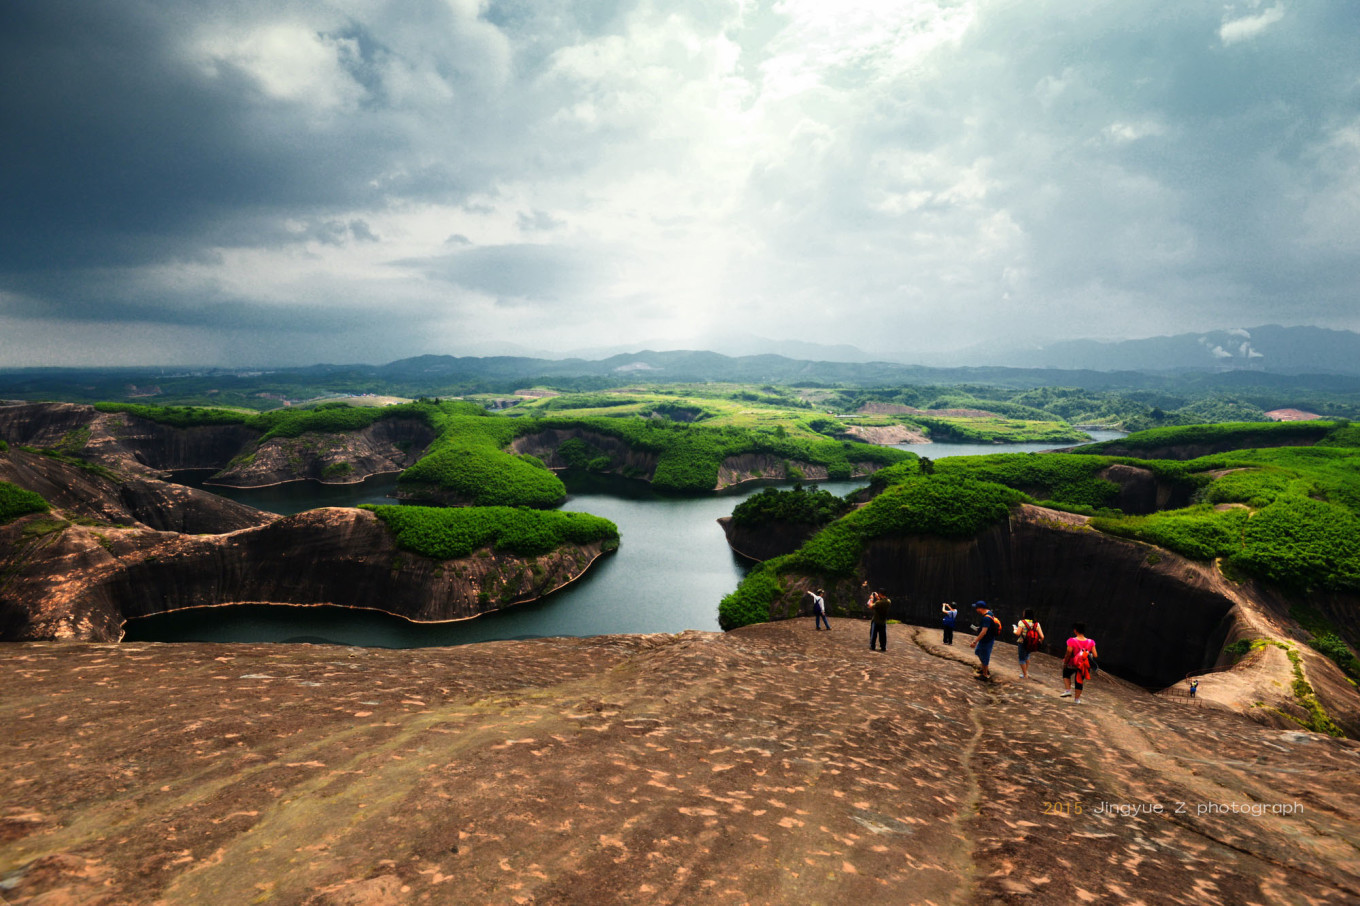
[1079, 659]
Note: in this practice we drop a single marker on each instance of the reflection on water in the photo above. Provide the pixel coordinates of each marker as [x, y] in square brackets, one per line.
[668, 575]
[941, 450]
[297, 496]
[670, 572]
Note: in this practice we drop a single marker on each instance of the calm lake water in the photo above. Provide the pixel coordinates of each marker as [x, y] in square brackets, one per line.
[671, 570]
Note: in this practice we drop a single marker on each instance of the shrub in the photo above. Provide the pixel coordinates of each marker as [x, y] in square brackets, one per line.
[337, 470]
[950, 508]
[447, 533]
[751, 601]
[806, 507]
[1198, 532]
[1302, 544]
[16, 502]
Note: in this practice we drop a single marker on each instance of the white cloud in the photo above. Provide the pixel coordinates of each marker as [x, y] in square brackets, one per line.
[1245, 28]
[949, 171]
[289, 61]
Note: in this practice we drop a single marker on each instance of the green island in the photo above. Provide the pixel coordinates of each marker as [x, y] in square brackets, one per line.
[468, 461]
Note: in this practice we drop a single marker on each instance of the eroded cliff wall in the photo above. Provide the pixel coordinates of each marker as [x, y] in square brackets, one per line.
[78, 582]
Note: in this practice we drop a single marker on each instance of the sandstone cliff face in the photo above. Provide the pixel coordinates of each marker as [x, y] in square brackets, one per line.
[746, 467]
[77, 582]
[1141, 492]
[94, 496]
[1156, 616]
[136, 446]
[389, 445]
[768, 540]
[623, 458]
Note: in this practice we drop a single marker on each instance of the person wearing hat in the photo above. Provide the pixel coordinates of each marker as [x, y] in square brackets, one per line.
[951, 615]
[986, 637]
[819, 608]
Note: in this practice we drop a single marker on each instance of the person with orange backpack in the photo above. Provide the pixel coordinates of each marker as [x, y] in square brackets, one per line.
[987, 635]
[1078, 662]
[1030, 635]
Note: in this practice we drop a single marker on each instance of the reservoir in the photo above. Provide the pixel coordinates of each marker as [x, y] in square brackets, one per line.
[668, 575]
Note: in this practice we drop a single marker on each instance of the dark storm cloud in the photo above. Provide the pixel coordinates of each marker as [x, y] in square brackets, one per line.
[120, 150]
[941, 169]
[510, 272]
[73, 298]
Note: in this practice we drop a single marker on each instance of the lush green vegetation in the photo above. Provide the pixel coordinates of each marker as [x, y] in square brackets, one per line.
[447, 533]
[689, 456]
[1198, 532]
[939, 505]
[1297, 524]
[179, 416]
[1286, 515]
[750, 602]
[468, 462]
[16, 502]
[1227, 435]
[799, 505]
[998, 430]
[327, 418]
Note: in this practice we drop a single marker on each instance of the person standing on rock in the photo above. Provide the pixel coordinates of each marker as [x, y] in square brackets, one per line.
[819, 608]
[878, 616]
[1081, 651]
[986, 638]
[1030, 635]
[951, 616]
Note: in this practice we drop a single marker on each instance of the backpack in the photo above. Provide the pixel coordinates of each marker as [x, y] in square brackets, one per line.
[1081, 659]
[993, 623]
[1031, 637]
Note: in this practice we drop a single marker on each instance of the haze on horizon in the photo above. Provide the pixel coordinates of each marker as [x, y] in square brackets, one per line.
[235, 183]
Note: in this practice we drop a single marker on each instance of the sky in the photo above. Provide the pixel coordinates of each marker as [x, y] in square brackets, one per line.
[273, 182]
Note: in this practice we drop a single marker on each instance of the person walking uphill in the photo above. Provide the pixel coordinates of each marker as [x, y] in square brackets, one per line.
[986, 638]
[1030, 635]
[951, 616]
[1077, 662]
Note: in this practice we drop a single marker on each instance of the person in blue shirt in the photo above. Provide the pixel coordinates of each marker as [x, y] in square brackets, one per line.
[951, 615]
[986, 637]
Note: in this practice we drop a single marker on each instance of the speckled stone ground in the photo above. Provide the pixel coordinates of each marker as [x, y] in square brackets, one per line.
[776, 764]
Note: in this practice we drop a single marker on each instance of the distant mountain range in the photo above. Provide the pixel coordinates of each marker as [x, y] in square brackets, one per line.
[1272, 348]
[1262, 358]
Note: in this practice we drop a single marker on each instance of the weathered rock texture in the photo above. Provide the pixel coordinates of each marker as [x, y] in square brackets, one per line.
[773, 765]
[887, 434]
[102, 497]
[768, 540]
[625, 460]
[79, 582]
[389, 445]
[622, 457]
[1155, 615]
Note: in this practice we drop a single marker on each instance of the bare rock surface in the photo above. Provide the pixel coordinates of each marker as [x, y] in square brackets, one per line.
[772, 765]
[887, 434]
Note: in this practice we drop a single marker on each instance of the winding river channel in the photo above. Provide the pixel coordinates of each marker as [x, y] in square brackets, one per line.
[671, 570]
